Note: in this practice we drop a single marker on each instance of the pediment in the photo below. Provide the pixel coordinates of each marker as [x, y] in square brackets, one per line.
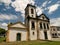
[17, 25]
[43, 17]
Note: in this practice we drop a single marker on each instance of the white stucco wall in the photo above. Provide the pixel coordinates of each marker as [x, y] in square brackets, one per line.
[41, 35]
[49, 35]
[13, 34]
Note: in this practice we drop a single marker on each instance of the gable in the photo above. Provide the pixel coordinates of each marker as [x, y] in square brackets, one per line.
[18, 25]
[43, 17]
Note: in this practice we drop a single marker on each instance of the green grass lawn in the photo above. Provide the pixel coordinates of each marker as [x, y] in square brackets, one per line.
[38, 42]
[2, 39]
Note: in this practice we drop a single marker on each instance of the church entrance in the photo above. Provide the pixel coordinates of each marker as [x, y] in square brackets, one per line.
[18, 37]
[45, 35]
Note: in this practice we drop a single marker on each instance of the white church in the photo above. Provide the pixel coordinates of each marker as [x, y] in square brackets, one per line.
[35, 27]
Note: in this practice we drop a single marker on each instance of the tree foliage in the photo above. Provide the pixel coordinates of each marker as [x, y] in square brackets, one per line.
[2, 31]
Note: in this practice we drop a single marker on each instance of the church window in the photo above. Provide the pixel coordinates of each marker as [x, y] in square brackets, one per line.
[32, 11]
[47, 26]
[44, 25]
[54, 35]
[41, 25]
[33, 33]
[57, 29]
[53, 29]
[33, 25]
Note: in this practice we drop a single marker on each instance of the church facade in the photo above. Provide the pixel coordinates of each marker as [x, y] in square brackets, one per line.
[35, 27]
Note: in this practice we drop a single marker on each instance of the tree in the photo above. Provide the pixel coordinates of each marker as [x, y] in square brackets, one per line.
[2, 31]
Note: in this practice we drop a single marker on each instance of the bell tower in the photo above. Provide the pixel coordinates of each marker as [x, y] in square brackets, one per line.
[30, 21]
[30, 11]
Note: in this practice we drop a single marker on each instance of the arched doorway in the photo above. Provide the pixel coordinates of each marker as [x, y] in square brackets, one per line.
[45, 35]
[18, 37]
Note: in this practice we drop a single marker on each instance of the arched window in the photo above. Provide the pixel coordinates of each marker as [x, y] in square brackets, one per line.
[53, 29]
[33, 25]
[44, 25]
[41, 26]
[54, 35]
[33, 33]
[32, 11]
